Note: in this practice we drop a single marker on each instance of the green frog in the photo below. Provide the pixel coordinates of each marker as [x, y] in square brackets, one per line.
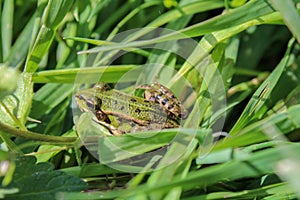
[123, 113]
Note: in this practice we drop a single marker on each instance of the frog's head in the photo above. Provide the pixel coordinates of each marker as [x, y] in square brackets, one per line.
[87, 102]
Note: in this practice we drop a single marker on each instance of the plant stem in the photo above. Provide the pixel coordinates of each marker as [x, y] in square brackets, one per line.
[37, 136]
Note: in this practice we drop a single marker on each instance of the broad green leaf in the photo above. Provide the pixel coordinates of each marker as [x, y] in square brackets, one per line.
[40, 181]
[15, 108]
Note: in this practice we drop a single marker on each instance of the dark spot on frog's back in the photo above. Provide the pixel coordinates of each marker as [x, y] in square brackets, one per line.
[164, 101]
[133, 100]
[137, 110]
[170, 106]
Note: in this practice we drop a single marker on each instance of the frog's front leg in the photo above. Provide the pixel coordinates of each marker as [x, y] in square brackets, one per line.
[103, 119]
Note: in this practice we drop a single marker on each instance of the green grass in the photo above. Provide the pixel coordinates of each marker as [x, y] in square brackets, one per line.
[234, 64]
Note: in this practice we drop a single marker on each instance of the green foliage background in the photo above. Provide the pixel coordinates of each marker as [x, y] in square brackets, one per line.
[253, 44]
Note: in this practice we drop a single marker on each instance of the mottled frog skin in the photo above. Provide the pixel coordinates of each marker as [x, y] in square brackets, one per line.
[158, 93]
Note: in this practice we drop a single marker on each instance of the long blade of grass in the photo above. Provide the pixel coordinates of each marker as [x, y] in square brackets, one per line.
[7, 26]
[22, 44]
[53, 16]
[109, 74]
[254, 133]
[269, 192]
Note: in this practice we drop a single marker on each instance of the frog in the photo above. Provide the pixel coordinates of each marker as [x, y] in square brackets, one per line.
[123, 113]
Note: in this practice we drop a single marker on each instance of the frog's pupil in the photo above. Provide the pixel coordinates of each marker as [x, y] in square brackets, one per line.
[132, 100]
[89, 104]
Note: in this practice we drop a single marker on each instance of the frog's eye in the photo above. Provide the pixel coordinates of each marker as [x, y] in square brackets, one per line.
[90, 104]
